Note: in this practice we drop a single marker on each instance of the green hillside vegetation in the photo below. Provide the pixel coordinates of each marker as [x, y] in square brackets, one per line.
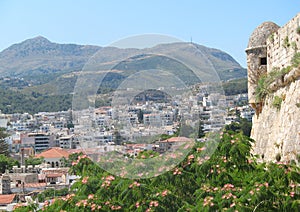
[48, 98]
[17, 102]
[45, 65]
[236, 86]
[64, 84]
[39, 75]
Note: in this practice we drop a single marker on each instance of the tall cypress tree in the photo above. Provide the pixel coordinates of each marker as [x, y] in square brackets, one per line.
[3, 144]
[201, 133]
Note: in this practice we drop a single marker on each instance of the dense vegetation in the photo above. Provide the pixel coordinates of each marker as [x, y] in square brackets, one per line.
[3, 144]
[236, 86]
[230, 179]
[17, 102]
[5, 161]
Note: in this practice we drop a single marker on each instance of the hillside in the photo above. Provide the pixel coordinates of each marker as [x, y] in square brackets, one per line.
[52, 68]
[38, 56]
[38, 74]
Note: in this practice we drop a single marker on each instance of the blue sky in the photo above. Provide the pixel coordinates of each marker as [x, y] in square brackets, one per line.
[220, 24]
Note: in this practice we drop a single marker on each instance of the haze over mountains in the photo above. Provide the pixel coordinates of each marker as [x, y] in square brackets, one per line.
[46, 64]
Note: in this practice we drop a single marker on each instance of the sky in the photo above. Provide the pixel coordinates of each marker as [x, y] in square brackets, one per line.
[225, 25]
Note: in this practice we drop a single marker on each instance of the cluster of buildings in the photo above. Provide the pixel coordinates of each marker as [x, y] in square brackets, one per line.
[21, 184]
[128, 129]
[118, 124]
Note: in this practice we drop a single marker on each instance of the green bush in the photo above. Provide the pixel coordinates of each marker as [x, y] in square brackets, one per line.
[262, 89]
[277, 102]
[286, 42]
[294, 45]
[298, 30]
[230, 179]
[296, 60]
[271, 37]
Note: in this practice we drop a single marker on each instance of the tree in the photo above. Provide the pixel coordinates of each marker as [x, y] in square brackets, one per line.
[33, 161]
[7, 163]
[117, 137]
[186, 131]
[67, 162]
[242, 125]
[246, 126]
[230, 179]
[3, 144]
[140, 115]
[201, 133]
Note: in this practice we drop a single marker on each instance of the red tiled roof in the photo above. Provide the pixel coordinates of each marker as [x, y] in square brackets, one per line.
[54, 152]
[34, 185]
[83, 151]
[54, 175]
[177, 139]
[6, 198]
[72, 151]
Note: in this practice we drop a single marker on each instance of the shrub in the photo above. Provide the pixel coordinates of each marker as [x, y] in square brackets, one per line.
[296, 59]
[263, 83]
[277, 102]
[294, 45]
[230, 179]
[262, 89]
[286, 42]
[298, 30]
[271, 37]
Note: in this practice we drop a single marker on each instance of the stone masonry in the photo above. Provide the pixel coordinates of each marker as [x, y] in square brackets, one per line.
[275, 130]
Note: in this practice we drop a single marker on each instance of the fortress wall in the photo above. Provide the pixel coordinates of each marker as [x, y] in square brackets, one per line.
[279, 54]
[277, 130]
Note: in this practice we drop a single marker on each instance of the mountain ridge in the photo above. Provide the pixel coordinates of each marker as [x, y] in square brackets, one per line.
[45, 63]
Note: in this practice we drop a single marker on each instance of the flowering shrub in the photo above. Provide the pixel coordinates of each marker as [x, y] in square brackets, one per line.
[230, 180]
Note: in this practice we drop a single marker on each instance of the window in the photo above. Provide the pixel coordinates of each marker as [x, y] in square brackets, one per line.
[263, 61]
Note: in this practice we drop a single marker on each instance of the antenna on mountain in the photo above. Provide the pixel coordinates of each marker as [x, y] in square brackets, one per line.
[191, 40]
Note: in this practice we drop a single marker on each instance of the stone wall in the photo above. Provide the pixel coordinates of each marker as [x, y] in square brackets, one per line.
[282, 45]
[276, 130]
[255, 70]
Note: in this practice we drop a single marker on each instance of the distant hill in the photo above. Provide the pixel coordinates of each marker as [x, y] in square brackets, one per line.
[50, 68]
[39, 57]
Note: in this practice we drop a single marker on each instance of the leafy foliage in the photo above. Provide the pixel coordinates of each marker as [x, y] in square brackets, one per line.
[277, 102]
[286, 42]
[296, 59]
[52, 193]
[17, 102]
[6, 163]
[229, 180]
[265, 80]
[298, 30]
[262, 89]
[33, 161]
[3, 144]
[243, 125]
[236, 86]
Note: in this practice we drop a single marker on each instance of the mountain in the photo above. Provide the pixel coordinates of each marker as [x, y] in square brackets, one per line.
[52, 68]
[39, 55]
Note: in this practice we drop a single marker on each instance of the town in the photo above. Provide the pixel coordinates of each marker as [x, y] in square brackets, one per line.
[128, 129]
